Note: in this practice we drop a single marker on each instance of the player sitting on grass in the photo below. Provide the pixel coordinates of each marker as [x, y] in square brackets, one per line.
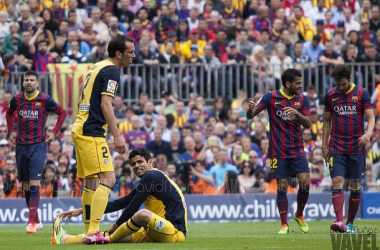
[164, 219]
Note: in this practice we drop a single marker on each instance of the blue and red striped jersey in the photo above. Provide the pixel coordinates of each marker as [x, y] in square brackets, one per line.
[285, 135]
[136, 139]
[32, 116]
[347, 115]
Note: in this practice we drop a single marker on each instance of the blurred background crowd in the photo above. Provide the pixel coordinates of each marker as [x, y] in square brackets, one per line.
[205, 145]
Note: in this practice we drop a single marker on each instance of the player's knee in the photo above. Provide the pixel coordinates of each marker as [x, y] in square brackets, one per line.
[142, 217]
[108, 180]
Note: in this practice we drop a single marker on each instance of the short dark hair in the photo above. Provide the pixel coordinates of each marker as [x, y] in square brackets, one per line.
[299, 42]
[289, 75]
[243, 30]
[71, 12]
[31, 73]
[341, 72]
[265, 30]
[143, 152]
[118, 44]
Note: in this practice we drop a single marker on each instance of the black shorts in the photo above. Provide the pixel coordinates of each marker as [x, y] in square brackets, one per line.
[347, 166]
[31, 161]
[284, 168]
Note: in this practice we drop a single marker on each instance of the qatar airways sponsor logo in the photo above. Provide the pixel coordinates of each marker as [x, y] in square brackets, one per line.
[285, 115]
[345, 110]
[29, 114]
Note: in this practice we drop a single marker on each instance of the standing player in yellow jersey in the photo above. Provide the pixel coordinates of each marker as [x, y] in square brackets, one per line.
[95, 116]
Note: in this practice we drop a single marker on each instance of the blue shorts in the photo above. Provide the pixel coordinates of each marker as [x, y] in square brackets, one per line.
[347, 166]
[31, 161]
[284, 168]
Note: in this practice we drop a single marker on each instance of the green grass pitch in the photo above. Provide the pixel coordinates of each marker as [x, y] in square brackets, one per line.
[237, 235]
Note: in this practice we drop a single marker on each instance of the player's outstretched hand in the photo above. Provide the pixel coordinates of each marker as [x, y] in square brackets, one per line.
[50, 137]
[119, 145]
[12, 137]
[68, 214]
[363, 140]
[252, 104]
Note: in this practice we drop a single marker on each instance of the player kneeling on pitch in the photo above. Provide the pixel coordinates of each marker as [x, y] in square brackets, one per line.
[164, 219]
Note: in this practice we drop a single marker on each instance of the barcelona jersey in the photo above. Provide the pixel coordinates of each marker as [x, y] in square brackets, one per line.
[285, 139]
[101, 79]
[32, 116]
[347, 115]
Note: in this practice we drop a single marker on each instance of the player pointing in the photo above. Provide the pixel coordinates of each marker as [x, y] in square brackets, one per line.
[89, 130]
[33, 108]
[288, 110]
[345, 107]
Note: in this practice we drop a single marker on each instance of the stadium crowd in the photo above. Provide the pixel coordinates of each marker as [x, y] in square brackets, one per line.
[205, 148]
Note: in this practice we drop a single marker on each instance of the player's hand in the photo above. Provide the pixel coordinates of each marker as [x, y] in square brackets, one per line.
[325, 152]
[252, 104]
[290, 111]
[68, 214]
[111, 230]
[119, 145]
[50, 137]
[12, 137]
[364, 139]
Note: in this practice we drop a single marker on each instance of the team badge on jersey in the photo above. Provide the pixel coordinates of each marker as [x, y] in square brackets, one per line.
[38, 105]
[297, 105]
[106, 161]
[111, 87]
[355, 99]
[160, 225]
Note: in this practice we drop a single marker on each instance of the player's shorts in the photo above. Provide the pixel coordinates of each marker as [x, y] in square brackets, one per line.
[284, 168]
[347, 166]
[93, 155]
[163, 231]
[31, 161]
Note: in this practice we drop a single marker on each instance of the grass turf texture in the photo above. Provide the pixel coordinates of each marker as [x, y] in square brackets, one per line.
[238, 235]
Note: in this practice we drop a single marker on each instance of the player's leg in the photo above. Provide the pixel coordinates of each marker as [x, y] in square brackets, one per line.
[301, 168]
[338, 170]
[356, 171]
[90, 185]
[37, 158]
[282, 204]
[100, 199]
[99, 164]
[280, 173]
[158, 229]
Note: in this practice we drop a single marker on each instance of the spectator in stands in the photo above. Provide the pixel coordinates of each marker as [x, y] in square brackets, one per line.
[183, 12]
[100, 52]
[350, 23]
[41, 56]
[230, 16]
[321, 32]
[313, 48]
[135, 5]
[364, 11]
[136, 137]
[49, 183]
[73, 24]
[371, 55]
[219, 170]
[262, 72]
[74, 56]
[195, 42]
[247, 177]
[12, 187]
[13, 14]
[338, 12]
[13, 40]
[119, 107]
[46, 35]
[354, 39]
[25, 59]
[304, 26]
[99, 26]
[201, 181]
[279, 62]
[276, 32]
[50, 23]
[261, 20]
[63, 29]
[214, 23]
[124, 16]
[57, 11]
[318, 12]
[287, 41]
[163, 25]
[351, 56]
[87, 34]
[190, 153]
[374, 22]
[62, 173]
[152, 12]
[26, 21]
[157, 146]
[73, 36]
[204, 33]
[367, 36]
[4, 25]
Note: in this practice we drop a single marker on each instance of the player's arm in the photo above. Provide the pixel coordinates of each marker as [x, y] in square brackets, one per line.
[326, 133]
[364, 139]
[10, 120]
[304, 120]
[143, 190]
[253, 109]
[52, 106]
[120, 203]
